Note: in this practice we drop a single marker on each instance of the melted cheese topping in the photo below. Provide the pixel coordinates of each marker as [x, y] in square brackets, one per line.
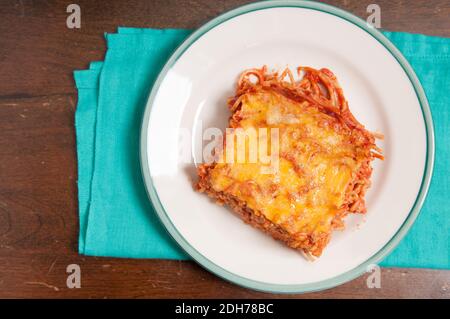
[318, 159]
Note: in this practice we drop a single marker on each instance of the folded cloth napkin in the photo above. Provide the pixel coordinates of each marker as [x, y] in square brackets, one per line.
[116, 217]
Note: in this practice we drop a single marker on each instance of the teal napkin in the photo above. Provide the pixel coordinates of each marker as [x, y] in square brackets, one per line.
[116, 217]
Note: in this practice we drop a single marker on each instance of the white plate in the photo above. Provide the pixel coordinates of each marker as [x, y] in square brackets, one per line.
[191, 92]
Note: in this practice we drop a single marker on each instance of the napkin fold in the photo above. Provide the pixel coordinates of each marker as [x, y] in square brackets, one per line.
[115, 215]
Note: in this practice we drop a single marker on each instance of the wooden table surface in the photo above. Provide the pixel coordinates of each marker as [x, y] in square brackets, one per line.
[38, 168]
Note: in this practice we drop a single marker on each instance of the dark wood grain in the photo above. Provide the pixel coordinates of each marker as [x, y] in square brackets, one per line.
[38, 198]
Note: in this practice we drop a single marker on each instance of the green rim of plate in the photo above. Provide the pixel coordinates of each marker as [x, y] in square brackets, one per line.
[290, 288]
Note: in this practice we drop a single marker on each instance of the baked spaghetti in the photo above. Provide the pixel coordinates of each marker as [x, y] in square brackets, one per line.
[325, 157]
